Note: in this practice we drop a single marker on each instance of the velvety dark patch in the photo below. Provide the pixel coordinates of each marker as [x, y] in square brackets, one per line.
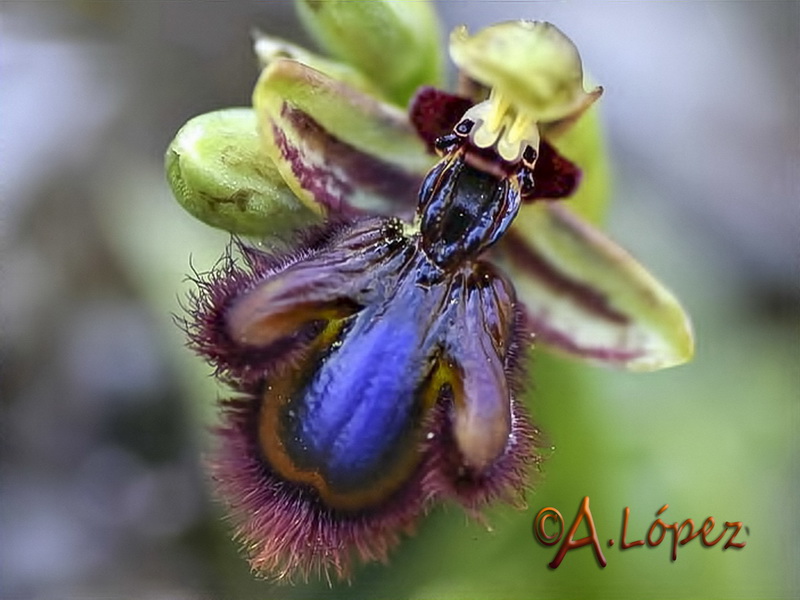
[434, 113]
[554, 176]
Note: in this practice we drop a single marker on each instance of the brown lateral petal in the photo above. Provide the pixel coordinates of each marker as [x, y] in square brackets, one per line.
[434, 113]
[554, 176]
[478, 350]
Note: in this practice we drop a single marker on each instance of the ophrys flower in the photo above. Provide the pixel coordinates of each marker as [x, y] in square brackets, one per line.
[377, 359]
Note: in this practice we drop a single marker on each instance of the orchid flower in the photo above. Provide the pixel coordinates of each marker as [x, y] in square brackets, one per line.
[406, 248]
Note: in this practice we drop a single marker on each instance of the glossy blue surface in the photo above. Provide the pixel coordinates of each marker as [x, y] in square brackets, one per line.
[361, 402]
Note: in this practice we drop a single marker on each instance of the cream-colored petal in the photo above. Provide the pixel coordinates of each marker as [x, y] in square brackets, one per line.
[531, 63]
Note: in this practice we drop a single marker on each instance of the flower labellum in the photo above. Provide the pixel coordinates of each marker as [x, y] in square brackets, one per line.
[377, 363]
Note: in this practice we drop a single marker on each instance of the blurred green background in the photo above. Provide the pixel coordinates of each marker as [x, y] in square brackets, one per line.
[104, 412]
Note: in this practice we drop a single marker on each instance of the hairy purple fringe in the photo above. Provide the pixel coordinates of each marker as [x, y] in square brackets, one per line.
[284, 527]
[508, 478]
[236, 365]
[505, 481]
[287, 531]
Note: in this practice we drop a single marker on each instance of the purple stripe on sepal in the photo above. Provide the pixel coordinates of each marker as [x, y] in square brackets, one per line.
[528, 261]
[557, 339]
[326, 188]
[345, 170]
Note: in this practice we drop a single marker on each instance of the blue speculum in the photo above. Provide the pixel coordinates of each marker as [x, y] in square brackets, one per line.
[377, 366]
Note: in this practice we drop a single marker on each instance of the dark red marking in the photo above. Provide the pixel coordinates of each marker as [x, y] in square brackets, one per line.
[346, 168]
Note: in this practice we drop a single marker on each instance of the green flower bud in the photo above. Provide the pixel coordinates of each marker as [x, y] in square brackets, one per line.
[396, 44]
[219, 173]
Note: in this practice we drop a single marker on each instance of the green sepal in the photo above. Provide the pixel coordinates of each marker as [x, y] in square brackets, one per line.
[589, 298]
[336, 147]
[269, 48]
[583, 144]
